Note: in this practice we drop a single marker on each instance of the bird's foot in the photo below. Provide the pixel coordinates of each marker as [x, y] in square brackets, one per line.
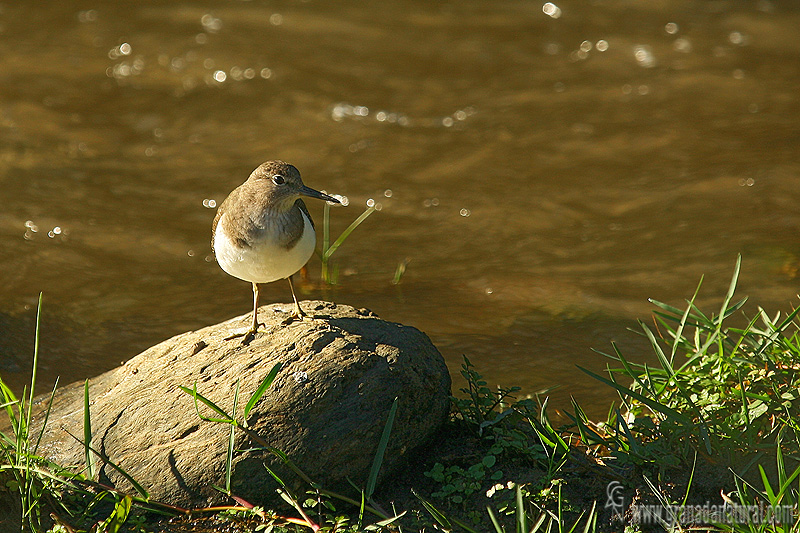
[298, 314]
[247, 336]
[294, 317]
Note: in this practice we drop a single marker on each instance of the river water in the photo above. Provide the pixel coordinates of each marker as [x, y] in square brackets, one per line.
[543, 169]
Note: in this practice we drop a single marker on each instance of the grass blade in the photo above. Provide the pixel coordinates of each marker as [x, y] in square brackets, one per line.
[326, 254]
[265, 384]
[497, 527]
[35, 360]
[372, 480]
[386, 522]
[122, 510]
[631, 373]
[228, 419]
[682, 324]
[46, 418]
[9, 401]
[587, 434]
[136, 485]
[400, 270]
[434, 512]
[591, 519]
[326, 226]
[231, 441]
[731, 289]
[87, 432]
[663, 409]
[522, 518]
[441, 519]
[767, 486]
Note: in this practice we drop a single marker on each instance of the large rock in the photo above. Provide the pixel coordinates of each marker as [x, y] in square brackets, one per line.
[326, 409]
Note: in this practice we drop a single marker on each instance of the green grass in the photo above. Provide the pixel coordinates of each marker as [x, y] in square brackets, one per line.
[718, 390]
[324, 501]
[330, 275]
[731, 394]
[33, 477]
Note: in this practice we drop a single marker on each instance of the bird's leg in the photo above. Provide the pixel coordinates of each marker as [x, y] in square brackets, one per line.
[298, 313]
[254, 327]
[250, 334]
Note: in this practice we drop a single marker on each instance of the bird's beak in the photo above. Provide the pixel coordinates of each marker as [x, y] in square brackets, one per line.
[312, 193]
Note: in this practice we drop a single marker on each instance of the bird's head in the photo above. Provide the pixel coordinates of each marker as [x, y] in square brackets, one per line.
[282, 183]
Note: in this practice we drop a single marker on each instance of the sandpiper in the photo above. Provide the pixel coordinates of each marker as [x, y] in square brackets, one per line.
[263, 231]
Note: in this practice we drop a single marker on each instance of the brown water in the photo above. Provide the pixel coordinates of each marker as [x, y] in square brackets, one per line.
[544, 173]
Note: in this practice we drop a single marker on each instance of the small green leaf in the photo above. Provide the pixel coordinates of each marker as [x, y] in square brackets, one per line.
[228, 419]
[265, 384]
[120, 515]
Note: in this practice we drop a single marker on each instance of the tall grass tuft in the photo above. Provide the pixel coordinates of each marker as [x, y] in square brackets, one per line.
[33, 476]
[725, 391]
[43, 485]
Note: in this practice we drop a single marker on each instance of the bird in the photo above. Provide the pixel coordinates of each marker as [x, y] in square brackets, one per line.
[263, 232]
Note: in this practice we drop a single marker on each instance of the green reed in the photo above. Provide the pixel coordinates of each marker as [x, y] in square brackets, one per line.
[33, 476]
[328, 249]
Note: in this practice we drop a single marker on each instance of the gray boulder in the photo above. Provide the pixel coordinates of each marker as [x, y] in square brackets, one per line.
[326, 409]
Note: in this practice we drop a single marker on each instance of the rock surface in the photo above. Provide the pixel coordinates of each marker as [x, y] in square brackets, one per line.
[326, 409]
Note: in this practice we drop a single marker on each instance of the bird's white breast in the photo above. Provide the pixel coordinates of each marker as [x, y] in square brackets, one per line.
[265, 260]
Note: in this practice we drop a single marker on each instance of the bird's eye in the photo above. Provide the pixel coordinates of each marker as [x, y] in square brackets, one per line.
[277, 179]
